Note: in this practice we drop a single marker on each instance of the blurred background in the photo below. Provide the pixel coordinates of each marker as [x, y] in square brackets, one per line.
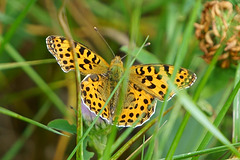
[24, 26]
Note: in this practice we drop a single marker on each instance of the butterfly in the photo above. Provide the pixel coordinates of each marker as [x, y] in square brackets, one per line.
[147, 82]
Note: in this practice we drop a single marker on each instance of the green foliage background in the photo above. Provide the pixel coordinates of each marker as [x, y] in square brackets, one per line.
[34, 86]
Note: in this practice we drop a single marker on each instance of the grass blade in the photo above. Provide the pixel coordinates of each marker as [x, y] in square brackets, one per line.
[26, 134]
[15, 25]
[202, 152]
[5, 66]
[236, 110]
[28, 120]
[36, 78]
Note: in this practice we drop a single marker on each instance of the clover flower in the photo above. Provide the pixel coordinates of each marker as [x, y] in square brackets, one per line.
[220, 22]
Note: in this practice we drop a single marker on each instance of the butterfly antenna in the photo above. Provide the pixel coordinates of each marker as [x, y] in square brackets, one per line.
[123, 57]
[147, 44]
[95, 28]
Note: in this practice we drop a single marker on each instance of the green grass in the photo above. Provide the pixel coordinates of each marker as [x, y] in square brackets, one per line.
[35, 91]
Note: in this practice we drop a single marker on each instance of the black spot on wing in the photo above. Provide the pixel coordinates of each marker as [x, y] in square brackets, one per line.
[166, 68]
[156, 69]
[149, 69]
[161, 93]
[140, 71]
[67, 55]
[159, 77]
[94, 59]
[163, 86]
[81, 50]
[86, 61]
[152, 86]
[88, 53]
[145, 101]
[75, 44]
[180, 70]
[62, 39]
[90, 66]
[82, 66]
[150, 78]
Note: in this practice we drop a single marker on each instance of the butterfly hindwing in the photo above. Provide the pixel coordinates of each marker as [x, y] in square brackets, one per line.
[138, 104]
[88, 61]
[95, 91]
[154, 78]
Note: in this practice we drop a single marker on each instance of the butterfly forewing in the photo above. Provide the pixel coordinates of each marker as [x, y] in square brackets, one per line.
[153, 79]
[88, 61]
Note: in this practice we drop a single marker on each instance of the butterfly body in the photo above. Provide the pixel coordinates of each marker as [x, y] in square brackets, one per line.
[114, 73]
[146, 82]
